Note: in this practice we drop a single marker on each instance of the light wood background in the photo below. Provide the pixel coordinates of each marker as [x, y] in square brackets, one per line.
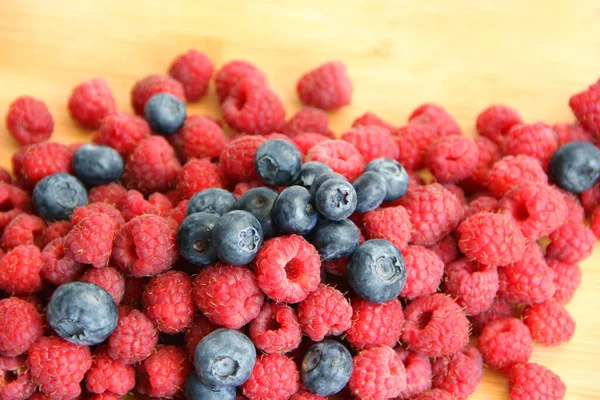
[462, 54]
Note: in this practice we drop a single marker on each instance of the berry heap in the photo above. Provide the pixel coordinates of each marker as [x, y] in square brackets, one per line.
[171, 260]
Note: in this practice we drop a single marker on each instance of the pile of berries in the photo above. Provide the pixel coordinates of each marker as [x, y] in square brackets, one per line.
[169, 259]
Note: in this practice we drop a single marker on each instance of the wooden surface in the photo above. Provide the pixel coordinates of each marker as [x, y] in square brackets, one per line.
[462, 54]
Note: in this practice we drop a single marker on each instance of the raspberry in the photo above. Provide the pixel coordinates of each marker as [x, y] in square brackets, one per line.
[5, 176]
[57, 266]
[134, 338]
[458, 374]
[458, 192]
[327, 86]
[375, 324]
[90, 241]
[178, 212]
[435, 326]
[424, 271]
[442, 123]
[15, 379]
[391, 223]
[418, 373]
[495, 121]
[340, 155]
[168, 301]
[571, 243]
[43, 159]
[378, 374]
[151, 85]
[568, 133]
[434, 212]
[325, 312]
[536, 140]
[112, 194]
[481, 203]
[306, 141]
[145, 246]
[227, 295]
[335, 267]
[199, 328]
[498, 310]
[590, 199]
[489, 153]
[234, 72]
[13, 201]
[575, 212]
[287, 268]
[122, 132]
[274, 376]
[134, 205]
[200, 137]
[435, 394]
[90, 102]
[237, 159]
[532, 381]
[372, 142]
[549, 322]
[472, 285]
[197, 175]
[304, 394]
[452, 158]
[109, 279]
[55, 230]
[107, 374]
[20, 270]
[585, 107]
[413, 141]
[29, 121]
[24, 229]
[276, 329]
[595, 222]
[103, 396]
[370, 118]
[163, 374]
[22, 325]
[446, 249]
[567, 278]
[504, 343]
[193, 69]
[58, 366]
[512, 171]
[308, 120]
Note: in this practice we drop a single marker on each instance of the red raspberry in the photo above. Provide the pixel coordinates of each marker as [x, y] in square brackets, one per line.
[512, 171]
[536, 140]
[20, 270]
[122, 132]
[200, 137]
[372, 142]
[595, 222]
[308, 120]
[472, 285]
[435, 326]
[22, 325]
[58, 366]
[370, 118]
[90, 241]
[15, 379]
[532, 381]
[375, 324]
[458, 192]
[458, 374]
[571, 243]
[327, 87]
[481, 203]
[335, 267]
[590, 199]
[575, 212]
[276, 329]
[498, 310]
[57, 266]
[306, 141]
[435, 394]
[504, 343]
[197, 330]
[111, 193]
[567, 278]
[274, 376]
[446, 249]
[234, 72]
[193, 69]
[227, 295]
[550, 323]
[325, 312]
[424, 271]
[168, 301]
[55, 230]
[163, 374]
[29, 121]
[287, 268]
[134, 338]
[197, 175]
[43, 159]
[177, 213]
[91, 210]
[134, 205]
[151, 85]
[145, 246]
[107, 374]
[103, 396]
[340, 155]
[90, 102]
[109, 279]
[442, 123]
[378, 374]
[391, 223]
[237, 159]
[134, 290]
[568, 133]
[585, 107]
[418, 373]
[23, 229]
[413, 141]
[495, 121]
[489, 153]
[452, 158]
[434, 213]
[304, 394]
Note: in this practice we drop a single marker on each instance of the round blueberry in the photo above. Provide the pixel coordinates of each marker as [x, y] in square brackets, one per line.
[294, 211]
[278, 162]
[310, 171]
[95, 164]
[336, 199]
[237, 236]
[56, 196]
[326, 368]
[376, 271]
[370, 191]
[321, 179]
[259, 202]
[575, 167]
[224, 358]
[196, 390]
[335, 239]
[213, 200]
[165, 113]
[396, 177]
[194, 238]
[82, 313]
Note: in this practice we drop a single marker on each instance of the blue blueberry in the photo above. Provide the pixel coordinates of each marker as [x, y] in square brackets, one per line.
[224, 358]
[334, 239]
[259, 202]
[326, 368]
[310, 171]
[213, 200]
[370, 189]
[294, 211]
[196, 390]
[237, 236]
[395, 175]
[336, 199]
[56, 196]
[575, 167]
[376, 271]
[194, 238]
[82, 313]
[165, 113]
[321, 179]
[95, 164]
[278, 162]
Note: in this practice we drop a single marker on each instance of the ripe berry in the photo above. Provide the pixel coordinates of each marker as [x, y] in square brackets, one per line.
[326, 368]
[56, 196]
[576, 166]
[237, 237]
[214, 200]
[336, 199]
[97, 165]
[309, 172]
[29, 121]
[278, 162]
[321, 179]
[335, 239]
[194, 238]
[165, 113]
[294, 211]
[259, 202]
[196, 390]
[371, 190]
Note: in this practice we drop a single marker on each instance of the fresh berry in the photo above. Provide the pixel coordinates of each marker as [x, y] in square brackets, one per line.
[585, 107]
[195, 389]
[97, 164]
[481, 203]
[322, 178]
[375, 324]
[165, 113]
[134, 338]
[14, 201]
[274, 377]
[194, 238]
[326, 368]
[446, 249]
[472, 285]
[391, 223]
[29, 121]
[308, 120]
[512, 171]
[109, 375]
[55, 230]
[309, 172]
[334, 239]
[20, 270]
[489, 153]
[424, 271]
[58, 267]
[56, 196]
[591, 198]
[122, 132]
[549, 322]
[108, 278]
[237, 158]
[567, 278]
[90, 241]
[437, 118]
[576, 166]
[395, 176]
[498, 310]
[372, 142]
[336, 199]
[168, 301]
[595, 221]
[378, 374]
[212, 200]
[15, 379]
[327, 86]
[340, 155]
[418, 373]
[234, 72]
[112, 193]
[237, 237]
[413, 140]
[193, 69]
[91, 210]
[371, 190]
[532, 381]
[495, 121]
[276, 329]
[324, 312]
[370, 118]
[147, 87]
[199, 328]
[536, 140]
[90, 102]
[163, 374]
[294, 211]
[24, 229]
[574, 132]
[196, 176]
[301, 394]
[178, 212]
[277, 162]
[259, 202]
[41, 160]
[200, 137]
[459, 373]
[504, 343]
[306, 141]
[571, 243]
[134, 204]
[21, 327]
[452, 158]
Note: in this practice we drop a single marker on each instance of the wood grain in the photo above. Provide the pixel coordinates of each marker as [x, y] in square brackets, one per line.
[462, 54]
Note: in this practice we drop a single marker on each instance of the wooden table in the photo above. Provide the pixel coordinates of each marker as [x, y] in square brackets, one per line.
[461, 54]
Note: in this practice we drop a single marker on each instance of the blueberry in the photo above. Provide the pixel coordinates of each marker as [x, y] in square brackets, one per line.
[96, 165]
[237, 236]
[336, 199]
[370, 191]
[396, 177]
[326, 368]
[310, 171]
[56, 196]
[576, 166]
[294, 211]
[82, 313]
[165, 113]
[321, 179]
[196, 390]
[376, 271]
[259, 202]
[278, 162]
[224, 358]
[213, 200]
[334, 239]
[194, 238]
